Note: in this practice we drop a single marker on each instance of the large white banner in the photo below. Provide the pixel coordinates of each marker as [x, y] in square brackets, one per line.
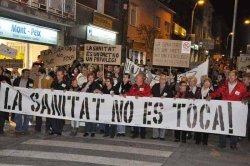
[198, 71]
[221, 117]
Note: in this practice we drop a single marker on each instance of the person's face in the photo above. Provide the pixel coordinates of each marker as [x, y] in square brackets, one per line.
[207, 84]
[184, 79]
[35, 68]
[125, 79]
[39, 60]
[40, 74]
[91, 69]
[183, 87]
[91, 79]
[85, 71]
[116, 69]
[108, 75]
[74, 84]
[139, 79]
[246, 81]
[100, 74]
[163, 79]
[136, 61]
[14, 70]
[55, 68]
[1, 71]
[109, 68]
[215, 74]
[219, 77]
[107, 82]
[75, 70]
[248, 70]
[226, 72]
[59, 75]
[232, 77]
[26, 74]
[192, 82]
[172, 76]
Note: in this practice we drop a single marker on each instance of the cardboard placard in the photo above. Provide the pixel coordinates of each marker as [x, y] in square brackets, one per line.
[102, 54]
[58, 56]
[8, 51]
[171, 53]
[11, 63]
[243, 61]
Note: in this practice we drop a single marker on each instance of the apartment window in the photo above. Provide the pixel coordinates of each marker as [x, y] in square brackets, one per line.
[133, 14]
[167, 27]
[157, 21]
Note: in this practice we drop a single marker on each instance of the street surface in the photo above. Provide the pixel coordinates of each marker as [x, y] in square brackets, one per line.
[44, 150]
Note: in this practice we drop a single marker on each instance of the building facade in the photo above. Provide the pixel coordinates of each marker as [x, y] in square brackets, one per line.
[31, 26]
[153, 15]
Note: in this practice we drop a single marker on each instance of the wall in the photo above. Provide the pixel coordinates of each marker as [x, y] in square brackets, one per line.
[147, 10]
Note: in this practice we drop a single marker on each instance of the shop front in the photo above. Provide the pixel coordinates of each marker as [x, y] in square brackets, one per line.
[28, 39]
[98, 29]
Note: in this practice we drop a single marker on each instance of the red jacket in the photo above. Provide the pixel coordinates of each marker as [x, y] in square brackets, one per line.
[141, 91]
[238, 93]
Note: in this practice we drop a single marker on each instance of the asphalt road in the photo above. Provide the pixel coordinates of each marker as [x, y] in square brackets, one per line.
[44, 150]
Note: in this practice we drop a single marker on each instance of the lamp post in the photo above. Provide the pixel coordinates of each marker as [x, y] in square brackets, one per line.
[231, 33]
[200, 2]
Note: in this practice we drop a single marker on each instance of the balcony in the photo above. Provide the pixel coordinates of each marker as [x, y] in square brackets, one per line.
[61, 8]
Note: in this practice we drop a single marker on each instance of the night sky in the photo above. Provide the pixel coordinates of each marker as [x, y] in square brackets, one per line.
[225, 8]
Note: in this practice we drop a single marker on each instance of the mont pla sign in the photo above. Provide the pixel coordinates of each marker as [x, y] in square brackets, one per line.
[29, 32]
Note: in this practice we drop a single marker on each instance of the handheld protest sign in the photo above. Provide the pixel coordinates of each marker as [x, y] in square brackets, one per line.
[58, 56]
[102, 54]
[173, 53]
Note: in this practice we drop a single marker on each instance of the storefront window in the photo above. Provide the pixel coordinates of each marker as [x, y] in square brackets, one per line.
[139, 55]
[26, 51]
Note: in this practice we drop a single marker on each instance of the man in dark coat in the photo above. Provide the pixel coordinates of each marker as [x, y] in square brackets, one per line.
[161, 90]
[58, 84]
[25, 82]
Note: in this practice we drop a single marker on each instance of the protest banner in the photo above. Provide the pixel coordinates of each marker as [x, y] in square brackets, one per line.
[198, 71]
[174, 53]
[58, 56]
[11, 63]
[102, 54]
[221, 117]
[8, 51]
[243, 61]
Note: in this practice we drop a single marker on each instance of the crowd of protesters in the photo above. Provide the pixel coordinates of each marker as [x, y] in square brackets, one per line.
[219, 84]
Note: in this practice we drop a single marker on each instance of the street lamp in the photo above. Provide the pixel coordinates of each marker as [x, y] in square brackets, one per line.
[247, 21]
[200, 2]
[230, 34]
